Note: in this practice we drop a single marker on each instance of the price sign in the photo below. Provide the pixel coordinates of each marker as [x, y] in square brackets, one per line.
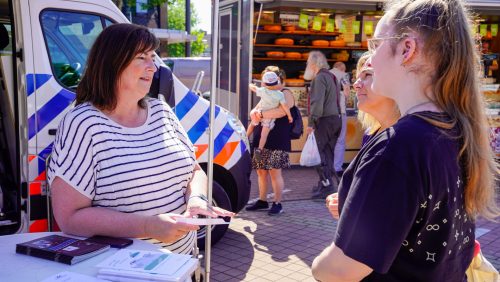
[369, 28]
[494, 29]
[304, 21]
[356, 26]
[330, 25]
[343, 27]
[483, 29]
[317, 23]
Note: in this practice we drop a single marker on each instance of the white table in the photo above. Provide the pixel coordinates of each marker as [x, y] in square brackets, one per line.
[20, 268]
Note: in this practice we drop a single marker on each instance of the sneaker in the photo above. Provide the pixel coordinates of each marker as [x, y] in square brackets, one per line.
[323, 192]
[258, 154]
[259, 205]
[275, 209]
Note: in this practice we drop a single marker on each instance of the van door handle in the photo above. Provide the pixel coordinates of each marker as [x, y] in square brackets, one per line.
[52, 131]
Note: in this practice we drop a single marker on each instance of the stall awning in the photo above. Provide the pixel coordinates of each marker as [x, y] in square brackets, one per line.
[172, 36]
[478, 5]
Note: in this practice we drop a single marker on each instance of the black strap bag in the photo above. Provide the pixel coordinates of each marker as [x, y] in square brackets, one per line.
[297, 127]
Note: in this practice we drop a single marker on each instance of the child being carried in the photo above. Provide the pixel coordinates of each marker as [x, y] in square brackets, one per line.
[270, 98]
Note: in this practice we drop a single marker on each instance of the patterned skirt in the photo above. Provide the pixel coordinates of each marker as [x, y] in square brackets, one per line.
[271, 159]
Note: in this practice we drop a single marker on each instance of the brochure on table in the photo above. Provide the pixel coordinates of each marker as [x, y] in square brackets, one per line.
[152, 265]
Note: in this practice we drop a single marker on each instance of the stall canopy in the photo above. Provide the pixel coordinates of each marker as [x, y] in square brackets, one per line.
[482, 6]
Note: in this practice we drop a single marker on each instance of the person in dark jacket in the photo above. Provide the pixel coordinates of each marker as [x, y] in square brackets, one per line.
[324, 120]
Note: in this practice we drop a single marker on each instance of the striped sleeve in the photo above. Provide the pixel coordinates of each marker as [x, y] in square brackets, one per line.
[72, 154]
[179, 130]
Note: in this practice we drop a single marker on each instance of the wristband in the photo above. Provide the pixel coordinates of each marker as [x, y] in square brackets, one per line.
[203, 197]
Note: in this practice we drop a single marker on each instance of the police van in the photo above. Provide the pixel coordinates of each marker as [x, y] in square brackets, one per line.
[43, 50]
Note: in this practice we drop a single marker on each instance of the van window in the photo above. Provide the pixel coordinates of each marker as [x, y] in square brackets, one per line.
[69, 37]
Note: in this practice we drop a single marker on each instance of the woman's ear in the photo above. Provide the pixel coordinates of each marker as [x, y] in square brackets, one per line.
[409, 50]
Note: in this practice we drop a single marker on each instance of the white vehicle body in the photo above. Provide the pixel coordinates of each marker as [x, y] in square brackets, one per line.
[49, 43]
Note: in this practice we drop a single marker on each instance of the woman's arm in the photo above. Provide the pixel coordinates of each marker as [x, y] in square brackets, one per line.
[75, 215]
[278, 112]
[196, 196]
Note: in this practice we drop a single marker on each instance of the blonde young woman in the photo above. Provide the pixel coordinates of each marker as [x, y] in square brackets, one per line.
[417, 187]
[376, 113]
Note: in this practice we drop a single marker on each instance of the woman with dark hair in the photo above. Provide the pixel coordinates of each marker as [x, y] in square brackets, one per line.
[122, 165]
[274, 156]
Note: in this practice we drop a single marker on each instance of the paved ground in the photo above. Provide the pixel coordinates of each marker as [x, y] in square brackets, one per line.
[258, 247]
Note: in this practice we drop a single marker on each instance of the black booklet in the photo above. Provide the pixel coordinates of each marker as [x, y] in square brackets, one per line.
[61, 249]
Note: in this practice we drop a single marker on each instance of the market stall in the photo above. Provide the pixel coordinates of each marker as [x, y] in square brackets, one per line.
[285, 31]
[284, 36]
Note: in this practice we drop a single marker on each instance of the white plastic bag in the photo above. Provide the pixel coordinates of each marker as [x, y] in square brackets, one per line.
[310, 154]
[480, 269]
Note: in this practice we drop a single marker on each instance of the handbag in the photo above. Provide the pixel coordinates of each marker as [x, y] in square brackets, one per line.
[310, 153]
[297, 126]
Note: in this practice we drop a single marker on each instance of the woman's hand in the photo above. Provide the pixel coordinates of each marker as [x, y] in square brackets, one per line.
[165, 228]
[198, 205]
[332, 203]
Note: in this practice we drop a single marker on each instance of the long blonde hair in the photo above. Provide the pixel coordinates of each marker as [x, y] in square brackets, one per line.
[444, 28]
[368, 121]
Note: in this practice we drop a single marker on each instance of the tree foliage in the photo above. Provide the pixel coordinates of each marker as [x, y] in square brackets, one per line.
[177, 20]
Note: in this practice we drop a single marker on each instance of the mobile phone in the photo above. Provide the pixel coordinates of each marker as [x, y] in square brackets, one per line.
[114, 242]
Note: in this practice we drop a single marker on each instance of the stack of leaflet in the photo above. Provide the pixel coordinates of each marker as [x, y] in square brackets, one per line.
[136, 265]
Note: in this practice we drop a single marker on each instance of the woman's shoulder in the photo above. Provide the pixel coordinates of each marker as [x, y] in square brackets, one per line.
[83, 113]
[157, 104]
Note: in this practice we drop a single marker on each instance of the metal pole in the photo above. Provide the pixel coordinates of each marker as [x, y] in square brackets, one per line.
[213, 94]
[187, 44]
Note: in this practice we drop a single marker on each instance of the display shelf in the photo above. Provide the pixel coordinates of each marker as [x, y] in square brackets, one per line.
[287, 59]
[310, 47]
[299, 32]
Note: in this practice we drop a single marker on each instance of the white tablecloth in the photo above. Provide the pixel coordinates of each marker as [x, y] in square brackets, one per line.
[20, 268]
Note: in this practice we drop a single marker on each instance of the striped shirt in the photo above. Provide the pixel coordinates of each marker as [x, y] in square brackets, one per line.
[143, 170]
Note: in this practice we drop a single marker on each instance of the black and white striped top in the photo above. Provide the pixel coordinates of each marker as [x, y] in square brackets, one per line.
[143, 170]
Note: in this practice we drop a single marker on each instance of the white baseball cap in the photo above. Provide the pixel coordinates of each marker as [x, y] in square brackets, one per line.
[270, 78]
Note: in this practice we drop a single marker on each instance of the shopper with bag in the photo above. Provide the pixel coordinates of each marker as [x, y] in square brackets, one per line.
[324, 120]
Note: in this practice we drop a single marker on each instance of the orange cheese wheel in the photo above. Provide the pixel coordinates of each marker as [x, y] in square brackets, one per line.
[275, 54]
[337, 43]
[294, 82]
[283, 41]
[322, 43]
[305, 55]
[293, 55]
[272, 27]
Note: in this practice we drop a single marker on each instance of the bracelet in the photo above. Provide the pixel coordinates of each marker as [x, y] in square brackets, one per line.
[203, 197]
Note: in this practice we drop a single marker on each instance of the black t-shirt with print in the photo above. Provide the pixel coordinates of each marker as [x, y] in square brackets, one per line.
[402, 205]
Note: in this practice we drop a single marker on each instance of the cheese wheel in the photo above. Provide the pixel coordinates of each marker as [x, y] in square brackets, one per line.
[294, 82]
[337, 43]
[293, 55]
[275, 54]
[305, 55]
[289, 27]
[283, 41]
[322, 43]
[272, 27]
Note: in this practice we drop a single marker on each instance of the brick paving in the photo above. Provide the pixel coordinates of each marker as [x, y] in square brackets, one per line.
[258, 247]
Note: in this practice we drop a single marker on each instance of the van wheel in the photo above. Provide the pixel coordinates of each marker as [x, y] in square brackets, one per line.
[221, 200]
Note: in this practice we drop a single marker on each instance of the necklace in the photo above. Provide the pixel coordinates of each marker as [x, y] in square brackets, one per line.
[409, 111]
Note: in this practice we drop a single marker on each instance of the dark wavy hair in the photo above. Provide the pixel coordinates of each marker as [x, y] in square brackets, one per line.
[111, 53]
